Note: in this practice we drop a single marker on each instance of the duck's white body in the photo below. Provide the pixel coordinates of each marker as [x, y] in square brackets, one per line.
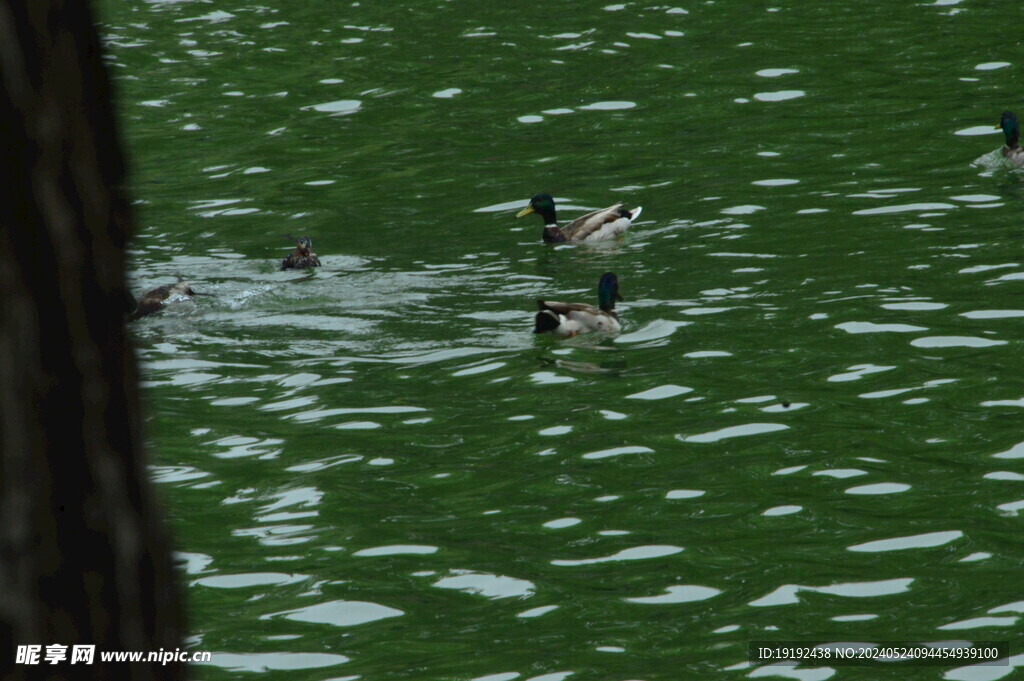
[1014, 155]
[600, 225]
[575, 318]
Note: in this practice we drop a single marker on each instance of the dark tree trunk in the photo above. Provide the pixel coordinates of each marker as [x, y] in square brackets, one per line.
[84, 556]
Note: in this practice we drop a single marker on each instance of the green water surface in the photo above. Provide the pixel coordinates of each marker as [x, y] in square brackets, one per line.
[809, 429]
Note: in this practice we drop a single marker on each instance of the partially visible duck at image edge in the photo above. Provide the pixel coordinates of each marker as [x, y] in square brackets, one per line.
[1011, 131]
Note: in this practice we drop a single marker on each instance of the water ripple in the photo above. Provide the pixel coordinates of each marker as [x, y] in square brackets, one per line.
[734, 431]
[955, 342]
[778, 96]
[487, 585]
[397, 550]
[273, 661]
[242, 581]
[905, 208]
[687, 593]
[871, 327]
[662, 392]
[880, 488]
[918, 541]
[788, 593]
[635, 553]
[339, 613]
[618, 451]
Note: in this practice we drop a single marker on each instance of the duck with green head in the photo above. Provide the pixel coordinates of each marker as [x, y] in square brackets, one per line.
[1011, 130]
[569, 319]
[596, 226]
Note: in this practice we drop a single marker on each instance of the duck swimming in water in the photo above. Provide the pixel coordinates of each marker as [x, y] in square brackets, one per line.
[1011, 130]
[303, 255]
[155, 300]
[596, 226]
[569, 319]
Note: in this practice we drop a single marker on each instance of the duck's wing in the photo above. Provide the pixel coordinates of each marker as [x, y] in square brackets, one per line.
[1014, 155]
[582, 227]
[566, 308]
[601, 224]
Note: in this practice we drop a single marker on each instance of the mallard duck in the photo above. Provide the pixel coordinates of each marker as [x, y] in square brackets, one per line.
[568, 319]
[596, 226]
[155, 300]
[303, 255]
[1011, 129]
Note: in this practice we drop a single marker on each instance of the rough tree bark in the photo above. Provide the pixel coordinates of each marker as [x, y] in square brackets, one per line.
[84, 556]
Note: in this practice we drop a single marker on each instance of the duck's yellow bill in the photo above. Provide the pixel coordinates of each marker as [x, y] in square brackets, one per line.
[525, 211]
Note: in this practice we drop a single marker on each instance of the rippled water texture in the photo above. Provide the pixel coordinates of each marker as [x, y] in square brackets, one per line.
[809, 427]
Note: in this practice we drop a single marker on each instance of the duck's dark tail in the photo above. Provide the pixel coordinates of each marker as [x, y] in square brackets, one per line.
[545, 321]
